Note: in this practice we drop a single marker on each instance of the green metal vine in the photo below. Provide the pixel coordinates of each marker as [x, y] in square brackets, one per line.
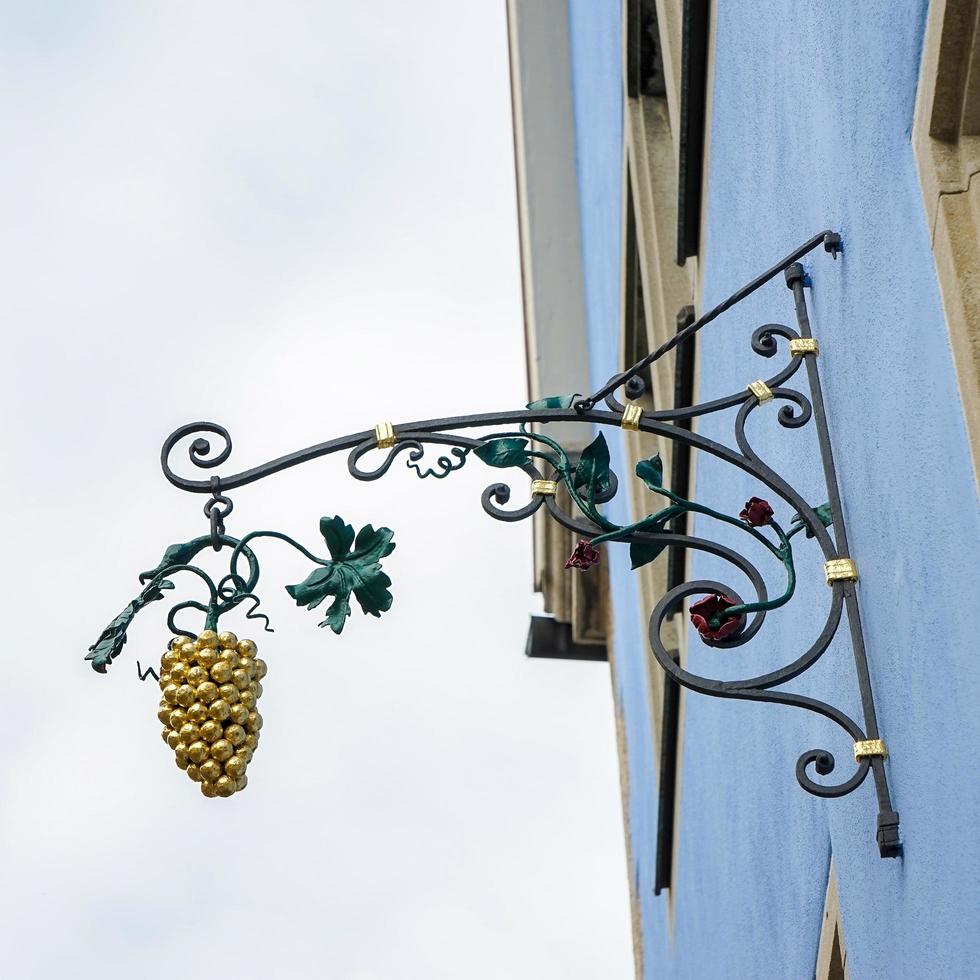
[589, 478]
[353, 568]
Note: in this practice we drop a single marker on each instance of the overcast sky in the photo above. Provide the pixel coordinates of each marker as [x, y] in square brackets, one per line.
[296, 219]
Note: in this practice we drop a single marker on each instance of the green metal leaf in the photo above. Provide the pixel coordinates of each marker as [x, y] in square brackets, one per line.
[358, 571]
[824, 515]
[643, 554]
[113, 638]
[503, 452]
[110, 643]
[316, 586]
[339, 536]
[373, 545]
[372, 594]
[554, 401]
[592, 469]
[337, 613]
[651, 471]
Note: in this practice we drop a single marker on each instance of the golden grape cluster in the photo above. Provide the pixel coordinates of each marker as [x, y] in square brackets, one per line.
[211, 687]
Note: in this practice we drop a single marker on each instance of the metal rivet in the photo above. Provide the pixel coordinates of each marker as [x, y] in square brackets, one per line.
[384, 435]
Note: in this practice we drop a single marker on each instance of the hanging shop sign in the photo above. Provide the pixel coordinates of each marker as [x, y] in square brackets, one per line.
[211, 681]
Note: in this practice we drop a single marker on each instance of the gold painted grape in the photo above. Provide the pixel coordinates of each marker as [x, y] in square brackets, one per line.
[247, 648]
[229, 693]
[197, 712]
[221, 672]
[207, 638]
[210, 770]
[235, 734]
[211, 730]
[207, 692]
[225, 786]
[189, 732]
[185, 695]
[219, 710]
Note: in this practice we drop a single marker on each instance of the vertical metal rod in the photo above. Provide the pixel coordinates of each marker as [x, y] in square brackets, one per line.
[676, 566]
[888, 821]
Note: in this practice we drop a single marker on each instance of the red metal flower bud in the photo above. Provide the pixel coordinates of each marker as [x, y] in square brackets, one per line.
[584, 556]
[756, 512]
[711, 608]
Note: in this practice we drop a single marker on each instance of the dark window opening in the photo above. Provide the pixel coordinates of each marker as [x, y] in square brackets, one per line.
[645, 66]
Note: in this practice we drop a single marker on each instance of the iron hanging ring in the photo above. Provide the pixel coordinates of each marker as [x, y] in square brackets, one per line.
[217, 514]
[217, 528]
[217, 509]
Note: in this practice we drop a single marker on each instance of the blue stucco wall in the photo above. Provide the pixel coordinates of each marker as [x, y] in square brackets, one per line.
[811, 118]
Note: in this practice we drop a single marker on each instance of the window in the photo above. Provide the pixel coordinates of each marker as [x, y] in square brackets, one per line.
[657, 295]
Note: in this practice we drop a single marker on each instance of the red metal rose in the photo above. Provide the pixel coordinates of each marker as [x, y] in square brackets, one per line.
[711, 607]
[756, 512]
[584, 556]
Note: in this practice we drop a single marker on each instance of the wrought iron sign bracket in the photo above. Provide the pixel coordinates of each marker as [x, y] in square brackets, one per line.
[517, 440]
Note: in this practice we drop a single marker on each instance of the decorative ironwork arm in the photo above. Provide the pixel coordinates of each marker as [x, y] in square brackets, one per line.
[724, 620]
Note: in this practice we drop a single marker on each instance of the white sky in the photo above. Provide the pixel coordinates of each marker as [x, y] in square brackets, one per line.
[296, 219]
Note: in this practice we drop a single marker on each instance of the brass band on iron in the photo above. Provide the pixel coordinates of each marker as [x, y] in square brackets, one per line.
[761, 390]
[631, 417]
[840, 570]
[544, 488]
[384, 435]
[802, 346]
[869, 749]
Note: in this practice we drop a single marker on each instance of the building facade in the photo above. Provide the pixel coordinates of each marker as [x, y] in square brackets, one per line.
[667, 153]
